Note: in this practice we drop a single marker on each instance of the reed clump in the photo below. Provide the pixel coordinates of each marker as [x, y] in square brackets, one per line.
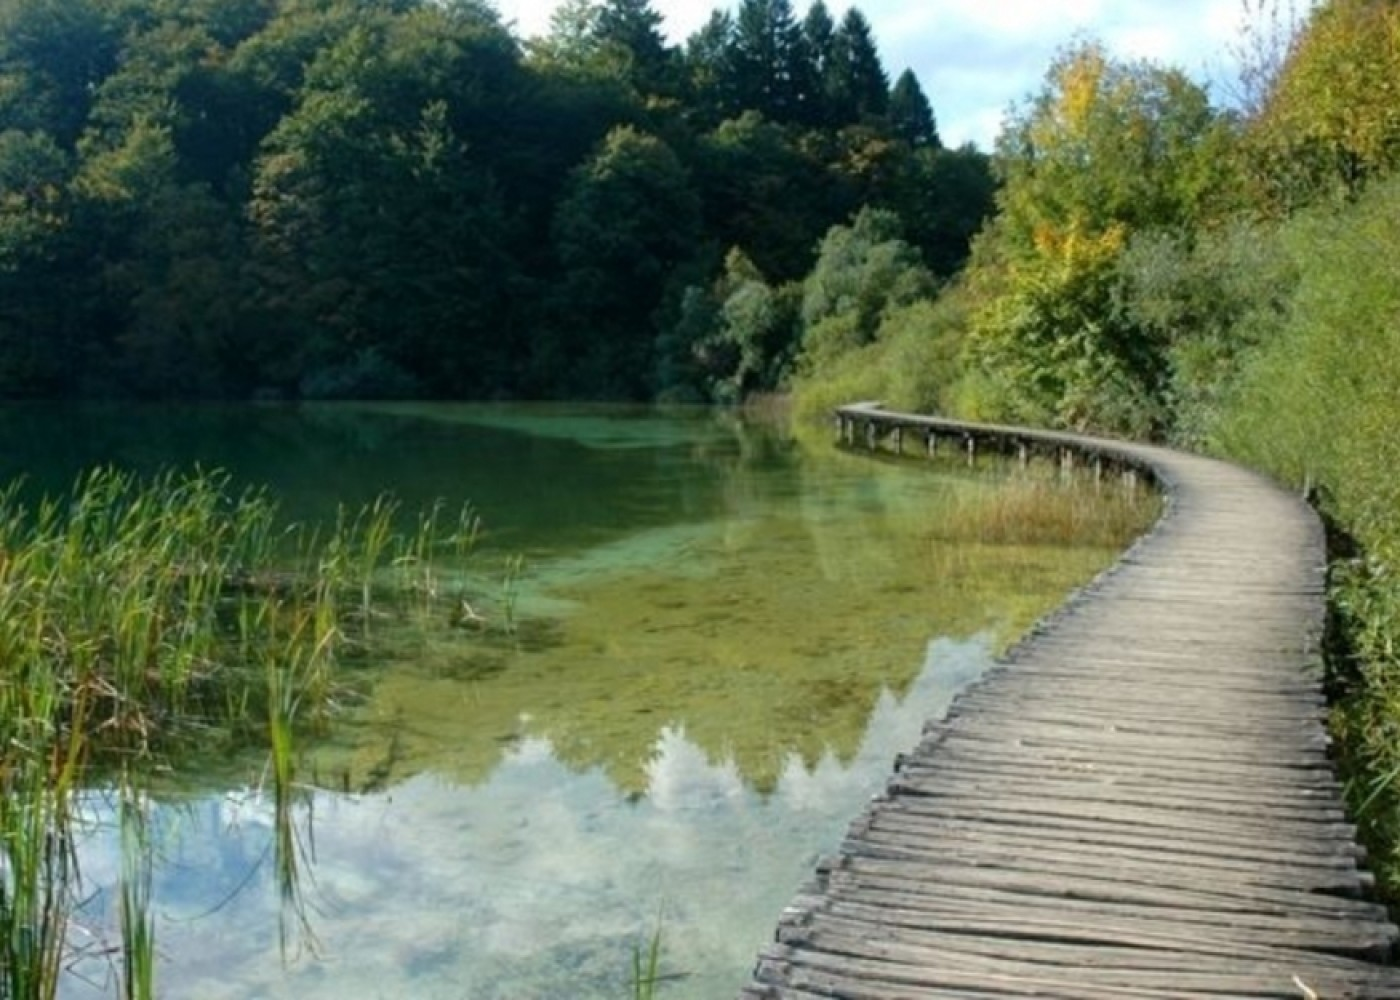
[142, 617]
[1035, 507]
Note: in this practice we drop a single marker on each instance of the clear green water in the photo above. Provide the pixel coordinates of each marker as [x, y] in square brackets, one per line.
[724, 636]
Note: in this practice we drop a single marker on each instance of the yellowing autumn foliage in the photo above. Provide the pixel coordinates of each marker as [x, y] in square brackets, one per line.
[1333, 121]
[1108, 142]
[1106, 149]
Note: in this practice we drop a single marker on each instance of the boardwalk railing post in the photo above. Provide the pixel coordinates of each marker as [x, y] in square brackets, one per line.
[1066, 462]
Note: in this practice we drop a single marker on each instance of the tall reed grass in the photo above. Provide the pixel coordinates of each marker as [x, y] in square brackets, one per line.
[1045, 506]
[138, 932]
[646, 965]
[140, 618]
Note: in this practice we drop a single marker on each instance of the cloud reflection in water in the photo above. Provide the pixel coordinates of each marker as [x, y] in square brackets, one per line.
[534, 885]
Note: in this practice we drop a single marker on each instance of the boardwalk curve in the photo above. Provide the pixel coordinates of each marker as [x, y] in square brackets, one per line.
[1137, 802]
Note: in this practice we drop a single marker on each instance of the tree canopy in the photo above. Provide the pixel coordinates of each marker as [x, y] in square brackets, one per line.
[400, 197]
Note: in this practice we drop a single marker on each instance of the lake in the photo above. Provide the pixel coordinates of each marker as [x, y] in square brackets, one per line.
[709, 637]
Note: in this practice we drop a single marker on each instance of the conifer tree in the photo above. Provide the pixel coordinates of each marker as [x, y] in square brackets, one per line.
[910, 114]
[856, 79]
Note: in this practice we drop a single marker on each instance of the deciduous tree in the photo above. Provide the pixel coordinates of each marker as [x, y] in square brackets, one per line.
[1333, 120]
[1105, 149]
[863, 270]
[630, 217]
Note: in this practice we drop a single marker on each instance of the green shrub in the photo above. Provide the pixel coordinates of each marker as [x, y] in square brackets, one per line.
[1209, 299]
[912, 364]
[1317, 407]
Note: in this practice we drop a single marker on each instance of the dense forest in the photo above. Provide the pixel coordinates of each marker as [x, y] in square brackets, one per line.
[360, 198]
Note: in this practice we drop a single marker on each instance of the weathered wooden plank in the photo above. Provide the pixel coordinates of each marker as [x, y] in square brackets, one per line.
[1082, 702]
[1029, 702]
[1041, 742]
[955, 761]
[897, 956]
[1079, 778]
[1165, 845]
[1133, 966]
[1087, 881]
[1155, 676]
[853, 977]
[1183, 836]
[1206, 741]
[983, 802]
[1107, 894]
[1120, 925]
[864, 969]
[1140, 866]
[1128, 966]
[1010, 762]
[1037, 702]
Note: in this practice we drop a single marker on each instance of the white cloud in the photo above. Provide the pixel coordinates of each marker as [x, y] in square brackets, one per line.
[974, 58]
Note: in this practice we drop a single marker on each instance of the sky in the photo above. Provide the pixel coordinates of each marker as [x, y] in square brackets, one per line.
[974, 58]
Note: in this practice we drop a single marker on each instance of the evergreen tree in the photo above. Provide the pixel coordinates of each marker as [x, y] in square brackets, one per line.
[617, 40]
[856, 80]
[910, 114]
[819, 31]
[573, 25]
[769, 60]
[633, 27]
[819, 37]
[709, 69]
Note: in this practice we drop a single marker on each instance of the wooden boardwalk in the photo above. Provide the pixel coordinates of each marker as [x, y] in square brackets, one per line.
[1137, 803]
